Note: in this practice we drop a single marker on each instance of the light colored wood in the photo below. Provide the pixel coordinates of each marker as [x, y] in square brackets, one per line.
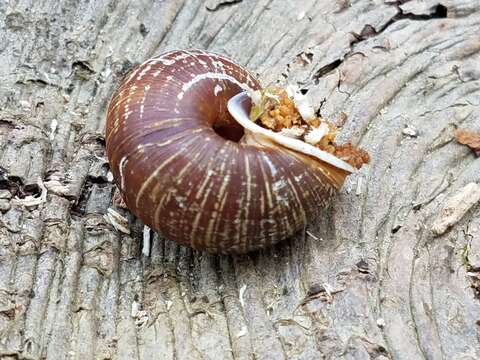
[383, 285]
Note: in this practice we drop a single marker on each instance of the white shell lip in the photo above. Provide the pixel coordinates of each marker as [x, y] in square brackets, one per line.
[238, 105]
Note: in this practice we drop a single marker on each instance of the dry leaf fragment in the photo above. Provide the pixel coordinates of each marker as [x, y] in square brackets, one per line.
[469, 138]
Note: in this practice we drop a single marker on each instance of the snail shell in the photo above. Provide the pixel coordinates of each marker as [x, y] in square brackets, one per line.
[187, 168]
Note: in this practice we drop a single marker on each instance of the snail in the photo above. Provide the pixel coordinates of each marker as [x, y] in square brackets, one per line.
[190, 163]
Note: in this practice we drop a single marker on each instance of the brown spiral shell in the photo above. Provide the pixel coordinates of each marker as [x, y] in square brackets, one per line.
[175, 154]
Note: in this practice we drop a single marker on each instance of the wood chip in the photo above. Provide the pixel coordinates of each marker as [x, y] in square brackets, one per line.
[358, 192]
[241, 293]
[53, 129]
[410, 131]
[25, 104]
[119, 222]
[469, 138]
[456, 207]
[147, 241]
[242, 332]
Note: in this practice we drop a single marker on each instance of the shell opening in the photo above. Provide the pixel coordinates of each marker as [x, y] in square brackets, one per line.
[239, 107]
[232, 132]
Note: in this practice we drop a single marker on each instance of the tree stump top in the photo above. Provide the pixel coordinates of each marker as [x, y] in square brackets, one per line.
[388, 272]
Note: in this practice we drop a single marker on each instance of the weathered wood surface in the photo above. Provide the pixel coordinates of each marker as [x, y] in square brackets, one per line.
[72, 287]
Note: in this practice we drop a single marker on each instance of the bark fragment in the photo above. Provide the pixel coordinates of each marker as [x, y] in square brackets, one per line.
[456, 208]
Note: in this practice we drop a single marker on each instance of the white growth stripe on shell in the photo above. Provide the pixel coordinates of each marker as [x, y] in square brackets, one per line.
[121, 167]
[211, 75]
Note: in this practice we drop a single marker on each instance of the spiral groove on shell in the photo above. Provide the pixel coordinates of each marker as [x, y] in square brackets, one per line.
[185, 167]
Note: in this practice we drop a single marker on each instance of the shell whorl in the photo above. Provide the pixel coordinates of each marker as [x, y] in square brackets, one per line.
[175, 154]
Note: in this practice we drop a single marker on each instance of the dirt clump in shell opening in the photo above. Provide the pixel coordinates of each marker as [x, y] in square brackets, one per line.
[291, 115]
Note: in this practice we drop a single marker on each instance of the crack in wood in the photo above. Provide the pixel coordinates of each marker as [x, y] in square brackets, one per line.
[368, 31]
[218, 5]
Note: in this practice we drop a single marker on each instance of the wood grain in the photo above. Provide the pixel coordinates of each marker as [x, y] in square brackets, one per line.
[367, 280]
